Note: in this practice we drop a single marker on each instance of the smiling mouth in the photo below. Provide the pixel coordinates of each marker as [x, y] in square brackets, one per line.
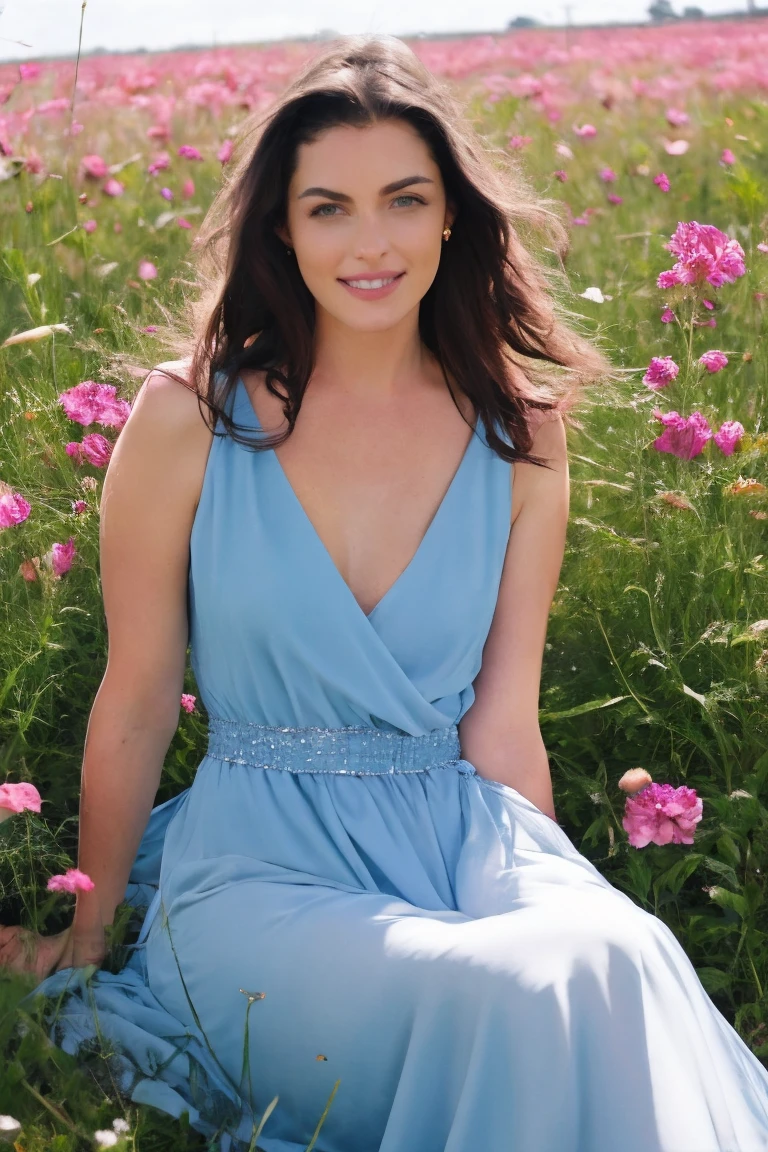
[373, 282]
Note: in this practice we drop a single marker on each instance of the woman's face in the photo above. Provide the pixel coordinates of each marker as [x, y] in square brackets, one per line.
[353, 229]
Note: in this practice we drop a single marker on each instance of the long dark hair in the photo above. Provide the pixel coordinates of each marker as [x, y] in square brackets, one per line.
[491, 317]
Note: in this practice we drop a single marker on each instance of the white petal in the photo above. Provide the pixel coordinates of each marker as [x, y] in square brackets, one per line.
[593, 294]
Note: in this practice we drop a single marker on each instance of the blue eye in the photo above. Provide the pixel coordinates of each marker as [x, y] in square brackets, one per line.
[319, 210]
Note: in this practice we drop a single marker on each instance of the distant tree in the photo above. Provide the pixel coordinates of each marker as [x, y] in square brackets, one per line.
[660, 11]
[693, 13]
[523, 22]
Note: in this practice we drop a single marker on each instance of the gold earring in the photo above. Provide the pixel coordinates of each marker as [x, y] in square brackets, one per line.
[446, 233]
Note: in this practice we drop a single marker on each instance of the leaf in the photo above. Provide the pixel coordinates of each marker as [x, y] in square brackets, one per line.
[727, 899]
[581, 709]
[696, 696]
[714, 980]
[675, 877]
[723, 870]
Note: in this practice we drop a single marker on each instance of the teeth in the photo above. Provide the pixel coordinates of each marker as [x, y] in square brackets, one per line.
[370, 283]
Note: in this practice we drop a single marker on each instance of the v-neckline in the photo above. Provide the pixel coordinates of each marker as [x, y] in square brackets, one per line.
[316, 535]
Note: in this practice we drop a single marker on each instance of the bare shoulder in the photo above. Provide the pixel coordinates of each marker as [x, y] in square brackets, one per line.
[543, 486]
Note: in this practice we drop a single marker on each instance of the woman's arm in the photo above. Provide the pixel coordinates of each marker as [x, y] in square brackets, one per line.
[500, 732]
[148, 504]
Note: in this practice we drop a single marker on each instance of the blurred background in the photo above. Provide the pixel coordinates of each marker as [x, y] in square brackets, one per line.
[41, 28]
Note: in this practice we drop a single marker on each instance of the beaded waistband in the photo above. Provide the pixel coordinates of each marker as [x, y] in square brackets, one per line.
[346, 751]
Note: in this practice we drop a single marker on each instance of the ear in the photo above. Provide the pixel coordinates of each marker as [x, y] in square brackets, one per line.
[283, 234]
[450, 215]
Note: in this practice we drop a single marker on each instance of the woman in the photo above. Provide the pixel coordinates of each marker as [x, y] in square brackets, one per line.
[365, 897]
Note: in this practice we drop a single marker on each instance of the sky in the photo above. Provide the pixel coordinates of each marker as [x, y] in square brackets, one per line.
[50, 27]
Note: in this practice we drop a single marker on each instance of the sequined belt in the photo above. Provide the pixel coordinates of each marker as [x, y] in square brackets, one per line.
[346, 751]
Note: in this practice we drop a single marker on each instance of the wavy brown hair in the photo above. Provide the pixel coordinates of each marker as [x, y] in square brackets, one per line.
[491, 317]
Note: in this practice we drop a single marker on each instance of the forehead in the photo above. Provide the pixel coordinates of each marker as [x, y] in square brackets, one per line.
[365, 152]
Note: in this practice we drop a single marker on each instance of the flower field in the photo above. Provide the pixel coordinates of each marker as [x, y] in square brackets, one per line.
[654, 702]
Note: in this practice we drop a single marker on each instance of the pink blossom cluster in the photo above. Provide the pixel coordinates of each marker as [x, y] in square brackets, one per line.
[16, 798]
[704, 255]
[92, 403]
[686, 436]
[72, 881]
[93, 448]
[661, 371]
[662, 814]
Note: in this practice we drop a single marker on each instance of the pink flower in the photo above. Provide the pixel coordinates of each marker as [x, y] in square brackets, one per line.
[728, 436]
[676, 117]
[89, 403]
[561, 175]
[90, 225]
[607, 175]
[94, 167]
[612, 198]
[682, 436]
[188, 702]
[583, 221]
[189, 153]
[224, 153]
[18, 798]
[166, 194]
[668, 316]
[94, 447]
[159, 164]
[585, 131]
[159, 132]
[563, 150]
[29, 71]
[762, 247]
[188, 189]
[704, 254]
[183, 222]
[708, 304]
[713, 361]
[676, 147]
[147, 270]
[150, 328]
[61, 557]
[78, 507]
[14, 509]
[661, 371]
[113, 187]
[517, 142]
[662, 181]
[662, 814]
[727, 157]
[73, 880]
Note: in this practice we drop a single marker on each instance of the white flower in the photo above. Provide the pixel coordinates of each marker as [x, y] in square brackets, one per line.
[593, 294]
[9, 1128]
[563, 150]
[121, 1126]
[105, 1137]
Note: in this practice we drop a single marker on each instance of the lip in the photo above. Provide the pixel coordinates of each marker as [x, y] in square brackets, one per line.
[373, 293]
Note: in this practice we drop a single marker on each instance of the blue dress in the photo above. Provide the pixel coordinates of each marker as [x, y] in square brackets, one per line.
[387, 921]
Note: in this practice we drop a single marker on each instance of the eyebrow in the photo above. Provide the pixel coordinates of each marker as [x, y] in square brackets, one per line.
[344, 198]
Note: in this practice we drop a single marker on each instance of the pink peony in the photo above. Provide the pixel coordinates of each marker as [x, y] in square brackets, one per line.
[713, 361]
[683, 436]
[662, 814]
[668, 316]
[147, 270]
[662, 181]
[704, 255]
[18, 798]
[728, 436]
[607, 175]
[59, 558]
[94, 447]
[14, 509]
[94, 167]
[89, 403]
[73, 880]
[224, 154]
[188, 702]
[727, 157]
[661, 371]
[676, 117]
[113, 187]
